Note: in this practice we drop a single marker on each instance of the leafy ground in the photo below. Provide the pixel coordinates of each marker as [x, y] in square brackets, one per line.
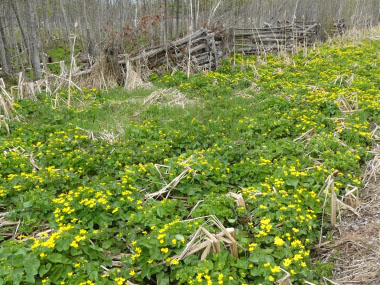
[83, 200]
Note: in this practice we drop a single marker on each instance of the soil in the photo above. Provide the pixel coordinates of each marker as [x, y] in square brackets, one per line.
[355, 247]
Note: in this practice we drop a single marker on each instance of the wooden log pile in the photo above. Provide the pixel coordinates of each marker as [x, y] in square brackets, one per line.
[273, 38]
[200, 50]
[340, 27]
[203, 50]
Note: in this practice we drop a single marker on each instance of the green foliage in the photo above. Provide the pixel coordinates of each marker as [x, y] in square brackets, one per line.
[89, 190]
[61, 52]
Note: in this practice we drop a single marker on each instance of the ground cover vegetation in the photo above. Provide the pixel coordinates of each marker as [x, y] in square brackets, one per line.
[91, 195]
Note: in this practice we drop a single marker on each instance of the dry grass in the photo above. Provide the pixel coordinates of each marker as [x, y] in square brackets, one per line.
[170, 97]
[110, 136]
[104, 75]
[100, 76]
[355, 250]
[204, 241]
[357, 34]
[358, 243]
[134, 79]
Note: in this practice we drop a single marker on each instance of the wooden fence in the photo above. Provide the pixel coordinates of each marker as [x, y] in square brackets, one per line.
[200, 50]
[205, 48]
[272, 38]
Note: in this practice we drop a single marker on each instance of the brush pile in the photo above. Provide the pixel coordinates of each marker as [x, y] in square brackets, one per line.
[199, 50]
[285, 36]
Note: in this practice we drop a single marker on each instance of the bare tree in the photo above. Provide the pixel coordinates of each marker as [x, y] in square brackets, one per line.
[34, 46]
[6, 62]
[68, 33]
[148, 22]
[177, 17]
[15, 8]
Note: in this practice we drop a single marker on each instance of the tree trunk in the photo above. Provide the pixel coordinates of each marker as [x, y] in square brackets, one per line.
[34, 52]
[3, 60]
[166, 20]
[90, 45]
[7, 62]
[15, 8]
[177, 18]
[66, 22]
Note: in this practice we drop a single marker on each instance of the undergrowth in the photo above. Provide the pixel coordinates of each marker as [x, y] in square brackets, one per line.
[85, 189]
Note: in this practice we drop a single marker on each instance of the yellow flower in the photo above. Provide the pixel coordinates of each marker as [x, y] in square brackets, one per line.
[278, 241]
[275, 269]
[297, 257]
[42, 255]
[165, 250]
[271, 278]
[287, 262]
[132, 273]
[252, 246]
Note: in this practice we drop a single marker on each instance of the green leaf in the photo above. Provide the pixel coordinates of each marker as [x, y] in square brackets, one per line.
[92, 270]
[30, 278]
[159, 212]
[63, 245]
[145, 271]
[44, 269]
[92, 253]
[242, 263]
[163, 279]
[31, 266]
[56, 272]
[17, 276]
[292, 182]
[107, 244]
[75, 251]
[58, 258]
[146, 243]
[254, 258]
[28, 204]
[66, 269]
[17, 261]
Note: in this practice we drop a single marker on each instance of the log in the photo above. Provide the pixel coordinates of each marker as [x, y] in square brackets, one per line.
[205, 50]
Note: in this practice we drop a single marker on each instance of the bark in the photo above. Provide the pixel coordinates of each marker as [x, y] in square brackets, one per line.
[34, 47]
[3, 60]
[65, 21]
[90, 44]
[7, 60]
[177, 18]
[166, 20]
